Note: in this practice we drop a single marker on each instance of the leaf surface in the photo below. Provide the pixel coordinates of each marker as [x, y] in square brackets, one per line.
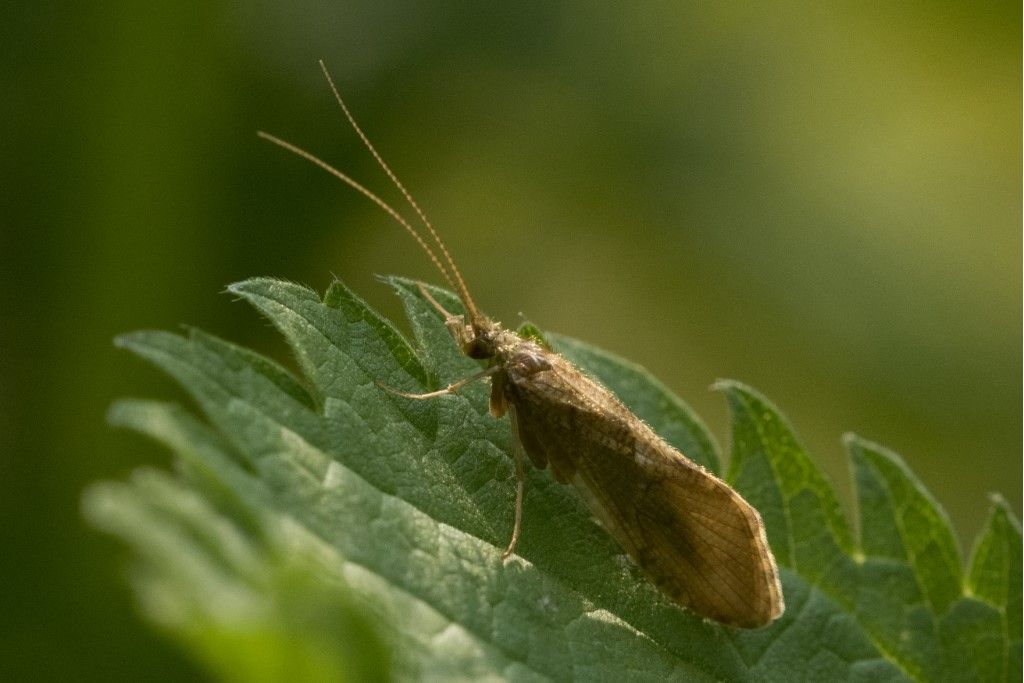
[326, 490]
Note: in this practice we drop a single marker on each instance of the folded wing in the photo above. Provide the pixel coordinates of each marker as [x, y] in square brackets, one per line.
[697, 539]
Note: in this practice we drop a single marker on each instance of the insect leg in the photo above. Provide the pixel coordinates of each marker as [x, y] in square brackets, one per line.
[517, 453]
[450, 389]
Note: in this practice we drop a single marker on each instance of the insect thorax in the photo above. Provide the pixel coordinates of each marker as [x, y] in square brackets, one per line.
[523, 357]
[485, 339]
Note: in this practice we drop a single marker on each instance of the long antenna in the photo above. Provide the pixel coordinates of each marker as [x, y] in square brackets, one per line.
[474, 315]
[366, 193]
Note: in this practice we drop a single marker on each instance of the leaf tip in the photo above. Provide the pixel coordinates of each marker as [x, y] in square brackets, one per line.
[734, 387]
[1001, 507]
[128, 413]
[97, 503]
[997, 499]
[243, 287]
[116, 413]
[338, 292]
[398, 283]
[744, 397]
[724, 385]
[261, 286]
[859, 447]
[130, 340]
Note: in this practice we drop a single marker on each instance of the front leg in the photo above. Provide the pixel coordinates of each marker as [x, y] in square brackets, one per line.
[450, 389]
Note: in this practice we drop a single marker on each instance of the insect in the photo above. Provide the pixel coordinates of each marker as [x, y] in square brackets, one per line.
[694, 537]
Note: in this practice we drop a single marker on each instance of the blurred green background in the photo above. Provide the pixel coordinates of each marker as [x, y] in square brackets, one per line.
[821, 201]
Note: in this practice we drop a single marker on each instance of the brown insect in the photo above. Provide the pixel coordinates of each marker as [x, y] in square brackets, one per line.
[696, 539]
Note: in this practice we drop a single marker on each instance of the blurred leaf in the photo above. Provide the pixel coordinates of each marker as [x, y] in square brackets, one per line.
[340, 530]
[253, 596]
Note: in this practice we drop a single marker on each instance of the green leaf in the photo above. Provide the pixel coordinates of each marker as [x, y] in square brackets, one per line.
[322, 525]
[530, 331]
[239, 587]
[994, 580]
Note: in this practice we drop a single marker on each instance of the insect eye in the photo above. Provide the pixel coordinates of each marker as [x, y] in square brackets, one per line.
[478, 349]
